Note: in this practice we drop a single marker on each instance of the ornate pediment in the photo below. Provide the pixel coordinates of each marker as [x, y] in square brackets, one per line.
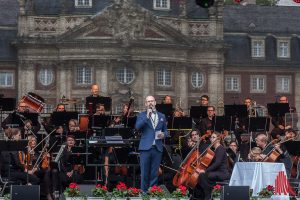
[126, 22]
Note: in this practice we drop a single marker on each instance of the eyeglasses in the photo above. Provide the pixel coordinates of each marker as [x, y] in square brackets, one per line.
[194, 134]
[210, 110]
[232, 145]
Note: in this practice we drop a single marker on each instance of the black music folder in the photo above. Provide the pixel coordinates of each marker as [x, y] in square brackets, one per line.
[198, 111]
[130, 122]
[101, 120]
[180, 123]
[19, 118]
[293, 147]
[258, 124]
[166, 109]
[7, 104]
[106, 101]
[236, 110]
[222, 123]
[278, 109]
[63, 118]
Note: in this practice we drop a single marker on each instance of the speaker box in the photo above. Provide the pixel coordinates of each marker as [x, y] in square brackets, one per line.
[86, 189]
[22, 192]
[235, 192]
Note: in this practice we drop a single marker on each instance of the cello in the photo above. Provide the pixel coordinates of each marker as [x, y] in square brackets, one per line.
[194, 163]
[185, 168]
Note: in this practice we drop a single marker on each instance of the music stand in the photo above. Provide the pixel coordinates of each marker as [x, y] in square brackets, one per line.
[13, 145]
[101, 121]
[258, 124]
[222, 123]
[77, 158]
[236, 110]
[63, 118]
[180, 123]
[198, 112]
[293, 147]
[131, 122]
[278, 109]
[106, 101]
[166, 109]
[7, 104]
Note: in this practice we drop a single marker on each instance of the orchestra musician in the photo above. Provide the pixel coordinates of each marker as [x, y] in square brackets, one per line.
[39, 169]
[208, 122]
[279, 121]
[153, 128]
[100, 109]
[204, 100]
[26, 125]
[167, 99]
[17, 163]
[91, 100]
[60, 107]
[216, 171]
[67, 173]
[178, 112]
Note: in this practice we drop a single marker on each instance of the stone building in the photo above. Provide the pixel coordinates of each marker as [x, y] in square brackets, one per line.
[58, 48]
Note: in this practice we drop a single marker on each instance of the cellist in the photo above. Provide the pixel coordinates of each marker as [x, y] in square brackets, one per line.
[216, 171]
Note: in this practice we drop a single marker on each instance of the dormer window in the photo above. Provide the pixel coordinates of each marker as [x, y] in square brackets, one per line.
[83, 3]
[161, 4]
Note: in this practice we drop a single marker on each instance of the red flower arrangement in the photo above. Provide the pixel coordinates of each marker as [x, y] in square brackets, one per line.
[100, 191]
[120, 190]
[134, 192]
[156, 191]
[268, 191]
[72, 191]
[180, 192]
[216, 191]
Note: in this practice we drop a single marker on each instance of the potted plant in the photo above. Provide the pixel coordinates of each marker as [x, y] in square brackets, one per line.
[120, 191]
[100, 192]
[134, 193]
[216, 192]
[156, 192]
[180, 193]
[266, 192]
[73, 192]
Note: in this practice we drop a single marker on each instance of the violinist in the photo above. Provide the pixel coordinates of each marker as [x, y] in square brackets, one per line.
[35, 163]
[17, 162]
[216, 171]
[233, 154]
[67, 174]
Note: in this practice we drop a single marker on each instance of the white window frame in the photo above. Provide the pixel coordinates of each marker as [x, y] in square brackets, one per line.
[85, 80]
[125, 71]
[47, 72]
[165, 72]
[7, 73]
[257, 89]
[232, 78]
[283, 51]
[48, 108]
[199, 75]
[280, 88]
[158, 5]
[81, 108]
[84, 4]
[258, 47]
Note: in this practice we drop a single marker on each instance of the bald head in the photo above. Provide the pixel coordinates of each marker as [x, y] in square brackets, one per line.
[95, 90]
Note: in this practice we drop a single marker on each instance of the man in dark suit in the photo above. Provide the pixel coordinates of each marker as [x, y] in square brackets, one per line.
[153, 127]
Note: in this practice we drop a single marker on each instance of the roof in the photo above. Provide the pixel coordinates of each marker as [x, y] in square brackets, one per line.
[8, 12]
[262, 19]
[7, 51]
